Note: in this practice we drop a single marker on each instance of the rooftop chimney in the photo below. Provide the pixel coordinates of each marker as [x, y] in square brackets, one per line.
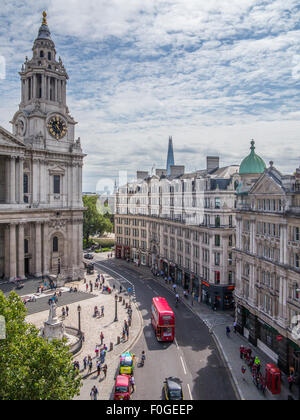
[212, 162]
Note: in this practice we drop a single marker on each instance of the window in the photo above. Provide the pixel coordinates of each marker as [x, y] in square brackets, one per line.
[26, 184]
[42, 54]
[55, 244]
[230, 221]
[217, 203]
[217, 258]
[217, 240]
[230, 242]
[217, 277]
[26, 246]
[49, 56]
[217, 221]
[56, 186]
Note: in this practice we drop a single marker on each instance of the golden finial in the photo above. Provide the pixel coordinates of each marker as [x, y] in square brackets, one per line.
[44, 18]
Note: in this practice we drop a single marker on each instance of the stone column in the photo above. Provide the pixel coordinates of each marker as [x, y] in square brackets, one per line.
[6, 252]
[46, 252]
[21, 266]
[38, 249]
[7, 180]
[74, 185]
[21, 181]
[35, 180]
[12, 252]
[13, 180]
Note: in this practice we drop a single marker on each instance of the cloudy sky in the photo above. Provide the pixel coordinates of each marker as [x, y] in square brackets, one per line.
[213, 74]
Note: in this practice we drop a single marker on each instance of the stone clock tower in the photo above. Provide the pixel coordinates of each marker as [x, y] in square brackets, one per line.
[41, 209]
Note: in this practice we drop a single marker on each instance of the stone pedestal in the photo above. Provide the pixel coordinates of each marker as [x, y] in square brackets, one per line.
[53, 328]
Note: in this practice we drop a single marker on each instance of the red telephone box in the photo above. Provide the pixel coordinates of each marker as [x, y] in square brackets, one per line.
[273, 379]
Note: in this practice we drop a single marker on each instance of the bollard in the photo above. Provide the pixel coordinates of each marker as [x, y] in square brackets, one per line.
[118, 340]
[111, 347]
[120, 298]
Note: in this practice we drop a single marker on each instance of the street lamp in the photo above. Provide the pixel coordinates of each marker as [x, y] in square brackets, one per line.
[79, 320]
[116, 308]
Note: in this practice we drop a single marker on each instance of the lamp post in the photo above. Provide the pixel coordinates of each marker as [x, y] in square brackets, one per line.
[116, 308]
[79, 320]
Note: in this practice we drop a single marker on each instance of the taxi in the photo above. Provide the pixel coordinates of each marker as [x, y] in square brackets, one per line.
[173, 389]
[127, 363]
[122, 388]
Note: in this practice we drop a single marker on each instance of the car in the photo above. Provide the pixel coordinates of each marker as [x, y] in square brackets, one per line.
[89, 256]
[127, 363]
[122, 387]
[173, 389]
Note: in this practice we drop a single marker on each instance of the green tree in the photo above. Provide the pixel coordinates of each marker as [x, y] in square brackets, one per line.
[95, 221]
[32, 368]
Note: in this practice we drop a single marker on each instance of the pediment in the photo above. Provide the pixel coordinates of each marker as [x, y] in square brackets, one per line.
[267, 185]
[57, 170]
[8, 139]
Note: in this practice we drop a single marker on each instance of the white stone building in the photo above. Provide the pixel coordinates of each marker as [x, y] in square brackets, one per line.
[41, 210]
[267, 258]
[183, 224]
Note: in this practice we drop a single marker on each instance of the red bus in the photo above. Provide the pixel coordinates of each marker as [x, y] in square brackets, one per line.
[163, 319]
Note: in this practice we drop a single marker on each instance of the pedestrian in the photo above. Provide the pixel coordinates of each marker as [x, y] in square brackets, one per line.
[234, 327]
[85, 363]
[257, 364]
[101, 337]
[121, 289]
[123, 334]
[105, 370]
[242, 352]
[132, 383]
[94, 393]
[193, 298]
[90, 366]
[127, 334]
[102, 310]
[166, 280]
[67, 310]
[98, 368]
[63, 312]
[114, 287]
[228, 332]
[83, 337]
[291, 381]
[97, 352]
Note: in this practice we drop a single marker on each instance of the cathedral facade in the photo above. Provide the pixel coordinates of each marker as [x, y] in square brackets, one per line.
[41, 209]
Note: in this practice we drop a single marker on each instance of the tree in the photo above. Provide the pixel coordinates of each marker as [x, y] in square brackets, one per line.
[31, 367]
[95, 221]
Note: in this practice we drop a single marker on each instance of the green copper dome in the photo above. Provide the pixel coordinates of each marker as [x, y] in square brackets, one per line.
[252, 164]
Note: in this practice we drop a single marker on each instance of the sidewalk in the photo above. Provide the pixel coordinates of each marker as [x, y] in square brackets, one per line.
[229, 348]
[92, 328]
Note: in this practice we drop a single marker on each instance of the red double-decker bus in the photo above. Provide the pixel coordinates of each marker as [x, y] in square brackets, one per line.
[163, 319]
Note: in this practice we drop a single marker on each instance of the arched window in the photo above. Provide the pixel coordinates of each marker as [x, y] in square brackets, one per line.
[42, 54]
[55, 244]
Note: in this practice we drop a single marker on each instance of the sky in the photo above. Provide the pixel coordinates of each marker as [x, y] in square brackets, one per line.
[212, 74]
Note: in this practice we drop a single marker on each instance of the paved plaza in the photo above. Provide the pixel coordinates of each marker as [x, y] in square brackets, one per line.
[92, 327]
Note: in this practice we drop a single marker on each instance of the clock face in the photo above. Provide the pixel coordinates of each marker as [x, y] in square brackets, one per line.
[57, 127]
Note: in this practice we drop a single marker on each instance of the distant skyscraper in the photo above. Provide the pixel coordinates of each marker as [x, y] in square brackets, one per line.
[170, 160]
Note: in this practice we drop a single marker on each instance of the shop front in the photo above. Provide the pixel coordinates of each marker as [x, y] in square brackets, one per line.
[179, 276]
[187, 280]
[218, 297]
[143, 258]
[127, 253]
[172, 271]
[118, 251]
[165, 268]
[195, 286]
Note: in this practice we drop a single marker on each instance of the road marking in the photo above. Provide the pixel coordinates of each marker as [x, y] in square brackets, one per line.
[190, 391]
[183, 365]
[176, 343]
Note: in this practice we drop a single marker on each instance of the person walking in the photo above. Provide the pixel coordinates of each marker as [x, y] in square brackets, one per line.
[94, 393]
[90, 366]
[63, 312]
[257, 364]
[67, 310]
[228, 332]
[102, 311]
[98, 368]
[193, 298]
[132, 383]
[174, 287]
[85, 363]
[234, 327]
[97, 352]
[101, 338]
[105, 370]
[127, 334]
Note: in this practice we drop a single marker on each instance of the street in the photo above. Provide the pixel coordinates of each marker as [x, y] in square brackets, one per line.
[193, 357]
